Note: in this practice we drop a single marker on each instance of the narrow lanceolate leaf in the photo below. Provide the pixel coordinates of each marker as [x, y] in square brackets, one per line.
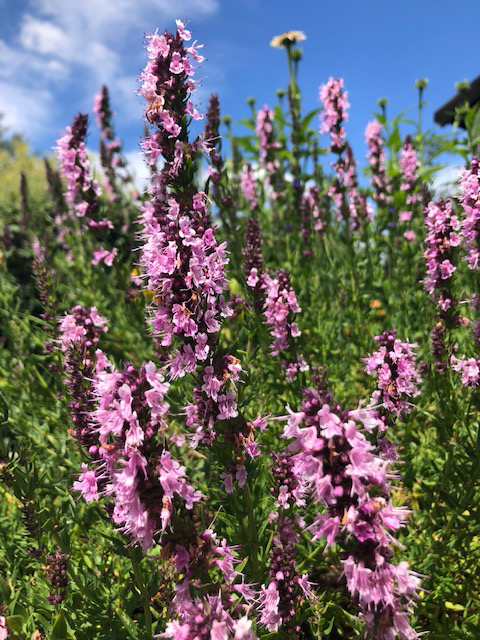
[128, 624]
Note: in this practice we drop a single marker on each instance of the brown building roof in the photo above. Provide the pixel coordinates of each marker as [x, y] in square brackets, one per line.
[445, 115]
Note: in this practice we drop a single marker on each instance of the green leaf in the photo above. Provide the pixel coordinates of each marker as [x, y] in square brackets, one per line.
[246, 122]
[246, 143]
[309, 117]
[469, 118]
[59, 629]
[243, 564]
[127, 623]
[328, 630]
[395, 141]
[4, 589]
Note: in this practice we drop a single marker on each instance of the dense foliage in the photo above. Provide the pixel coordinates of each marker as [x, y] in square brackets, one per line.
[243, 403]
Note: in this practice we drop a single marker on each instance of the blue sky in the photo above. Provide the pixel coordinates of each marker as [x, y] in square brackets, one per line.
[55, 54]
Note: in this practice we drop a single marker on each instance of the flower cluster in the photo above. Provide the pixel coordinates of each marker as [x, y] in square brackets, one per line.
[268, 144]
[335, 112]
[137, 470]
[56, 572]
[110, 146]
[212, 137]
[25, 201]
[266, 133]
[215, 399]
[241, 434]
[376, 159]
[312, 198]
[409, 172]
[82, 190]
[249, 187]
[280, 305]
[306, 225]
[44, 277]
[279, 602]
[354, 207]
[311, 211]
[55, 189]
[394, 365]
[29, 510]
[287, 488]
[78, 369]
[200, 553]
[59, 206]
[343, 472]
[82, 326]
[409, 166]
[101, 108]
[185, 268]
[209, 617]
[469, 369]
[359, 208]
[80, 332]
[212, 615]
[212, 125]
[184, 265]
[167, 84]
[439, 345]
[470, 201]
[105, 256]
[345, 170]
[252, 257]
[443, 235]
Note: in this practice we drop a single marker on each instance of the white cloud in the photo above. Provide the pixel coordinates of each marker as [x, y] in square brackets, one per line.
[109, 20]
[16, 62]
[43, 37]
[57, 46]
[25, 110]
[445, 182]
[65, 45]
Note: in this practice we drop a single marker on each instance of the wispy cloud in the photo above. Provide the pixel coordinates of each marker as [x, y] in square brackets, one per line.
[69, 48]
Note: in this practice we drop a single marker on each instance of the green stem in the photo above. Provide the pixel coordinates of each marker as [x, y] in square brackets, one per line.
[144, 592]
[252, 531]
[368, 252]
[420, 133]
